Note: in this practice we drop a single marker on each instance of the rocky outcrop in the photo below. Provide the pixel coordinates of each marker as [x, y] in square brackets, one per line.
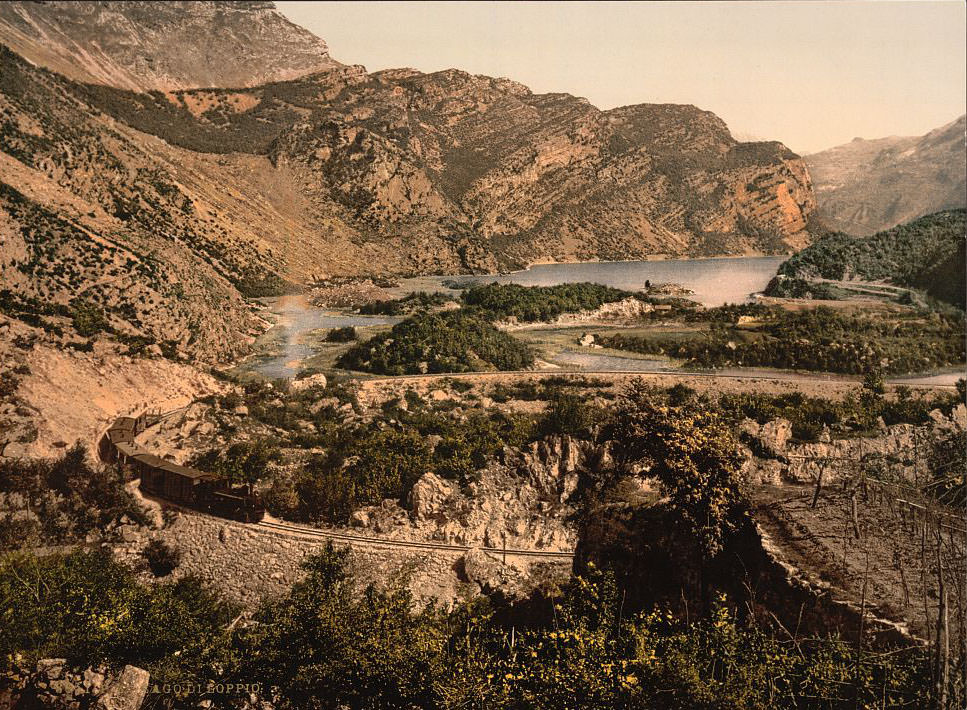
[147, 46]
[489, 574]
[866, 186]
[431, 497]
[53, 683]
[521, 501]
[773, 457]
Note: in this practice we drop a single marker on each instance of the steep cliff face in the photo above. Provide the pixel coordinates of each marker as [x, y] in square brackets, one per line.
[866, 186]
[163, 45]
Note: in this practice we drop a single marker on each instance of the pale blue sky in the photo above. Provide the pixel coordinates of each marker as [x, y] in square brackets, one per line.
[812, 74]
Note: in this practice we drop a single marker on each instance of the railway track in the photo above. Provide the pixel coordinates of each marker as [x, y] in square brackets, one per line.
[316, 533]
[152, 419]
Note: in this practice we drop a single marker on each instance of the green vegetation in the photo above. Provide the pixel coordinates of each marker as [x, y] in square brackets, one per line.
[927, 253]
[570, 413]
[541, 303]
[326, 645]
[819, 339]
[88, 318]
[857, 413]
[453, 341]
[246, 462]
[689, 447]
[61, 500]
[341, 335]
[84, 606]
[260, 283]
[417, 302]
[366, 463]
[796, 287]
[530, 304]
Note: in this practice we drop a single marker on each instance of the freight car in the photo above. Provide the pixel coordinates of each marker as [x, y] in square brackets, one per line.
[167, 480]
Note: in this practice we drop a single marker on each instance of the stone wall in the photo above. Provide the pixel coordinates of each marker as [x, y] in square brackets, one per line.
[249, 563]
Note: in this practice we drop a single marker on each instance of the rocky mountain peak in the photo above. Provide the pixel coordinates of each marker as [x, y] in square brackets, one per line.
[866, 186]
[146, 46]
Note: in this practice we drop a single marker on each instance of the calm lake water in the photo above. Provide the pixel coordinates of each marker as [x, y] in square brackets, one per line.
[714, 281]
[289, 338]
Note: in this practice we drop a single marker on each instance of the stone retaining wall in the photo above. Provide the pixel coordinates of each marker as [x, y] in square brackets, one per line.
[248, 563]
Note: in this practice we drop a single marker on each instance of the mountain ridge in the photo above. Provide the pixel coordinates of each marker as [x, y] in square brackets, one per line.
[147, 46]
[866, 186]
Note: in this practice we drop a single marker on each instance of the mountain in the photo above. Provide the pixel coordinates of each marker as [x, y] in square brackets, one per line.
[866, 186]
[926, 253]
[168, 208]
[163, 45]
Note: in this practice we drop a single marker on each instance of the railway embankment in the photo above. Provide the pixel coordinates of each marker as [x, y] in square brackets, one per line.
[253, 562]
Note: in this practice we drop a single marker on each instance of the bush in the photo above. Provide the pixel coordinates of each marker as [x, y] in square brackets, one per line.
[88, 319]
[69, 497]
[691, 450]
[85, 607]
[341, 335]
[162, 559]
[569, 413]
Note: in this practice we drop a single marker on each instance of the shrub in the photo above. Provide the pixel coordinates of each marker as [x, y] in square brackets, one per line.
[341, 335]
[162, 559]
[691, 450]
[569, 413]
[88, 319]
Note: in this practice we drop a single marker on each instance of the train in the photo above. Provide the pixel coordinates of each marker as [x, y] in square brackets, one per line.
[178, 484]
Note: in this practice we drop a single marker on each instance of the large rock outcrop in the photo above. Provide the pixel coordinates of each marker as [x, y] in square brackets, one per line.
[148, 46]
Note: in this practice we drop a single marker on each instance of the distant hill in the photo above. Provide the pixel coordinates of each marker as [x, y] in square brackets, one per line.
[866, 186]
[163, 45]
[927, 253]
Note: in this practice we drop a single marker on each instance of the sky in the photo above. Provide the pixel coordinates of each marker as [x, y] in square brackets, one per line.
[810, 73]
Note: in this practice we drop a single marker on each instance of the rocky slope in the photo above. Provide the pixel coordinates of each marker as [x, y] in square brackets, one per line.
[866, 186]
[92, 215]
[409, 172]
[403, 172]
[158, 46]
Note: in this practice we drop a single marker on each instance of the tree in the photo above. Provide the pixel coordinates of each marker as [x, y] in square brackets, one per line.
[245, 462]
[689, 447]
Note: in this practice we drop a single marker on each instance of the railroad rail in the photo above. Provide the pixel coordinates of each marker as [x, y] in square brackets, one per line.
[188, 488]
[408, 544]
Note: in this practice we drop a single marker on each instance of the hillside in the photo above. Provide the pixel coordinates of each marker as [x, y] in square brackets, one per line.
[92, 216]
[155, 46]
[927, 253]
[400, 172]
[449, 171]
[866, 186]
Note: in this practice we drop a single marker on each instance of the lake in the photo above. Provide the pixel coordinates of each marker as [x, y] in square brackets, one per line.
[713, 281]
